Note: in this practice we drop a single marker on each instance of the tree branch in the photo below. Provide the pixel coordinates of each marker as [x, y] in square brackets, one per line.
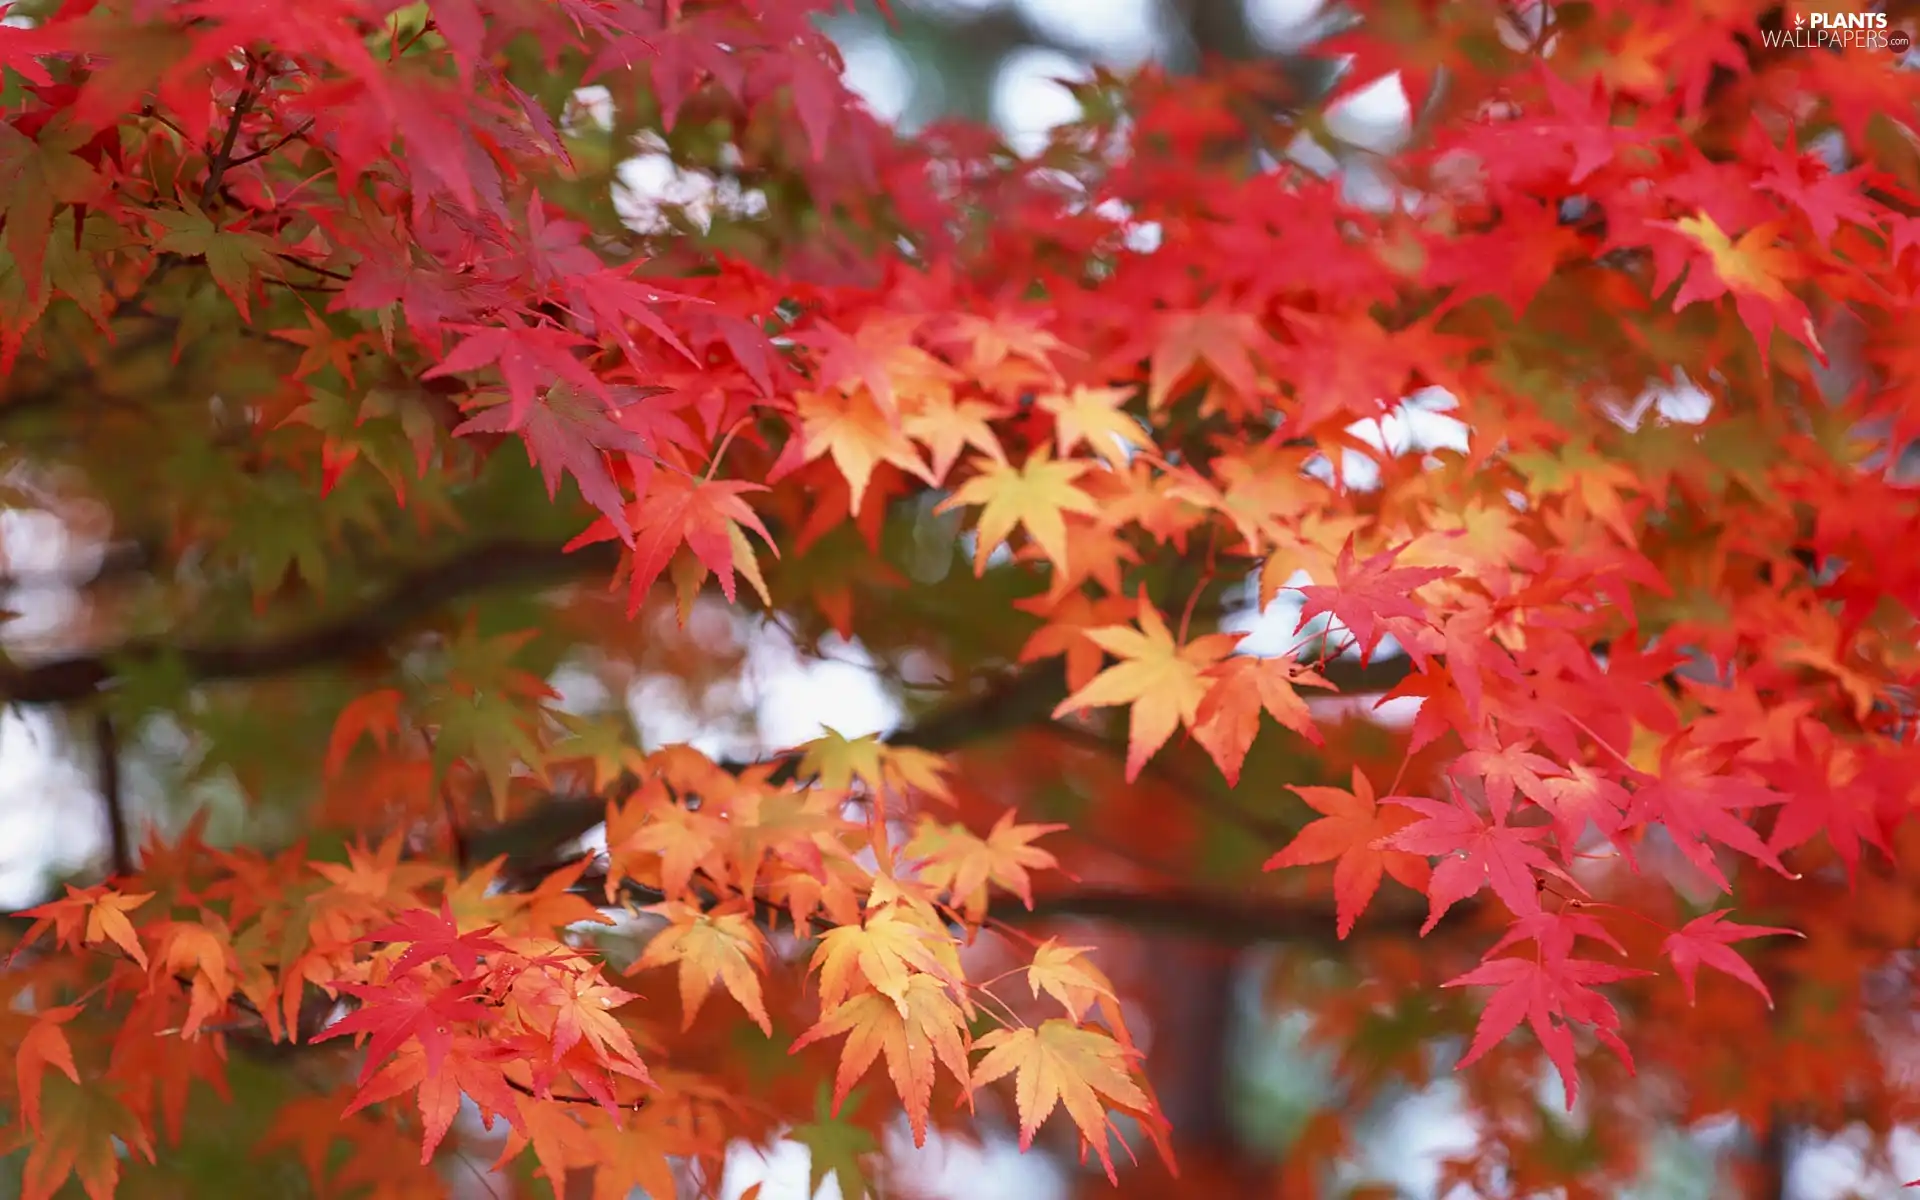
[401, 603]
[107, 747]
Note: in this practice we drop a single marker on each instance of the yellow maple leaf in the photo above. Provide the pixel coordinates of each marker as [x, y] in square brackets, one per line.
[856, 434]
[1034, 495]
[1063, 973]
[107, 920]
[839, 760]
[946, 427]
[1163, 681]
[1094, 416]
[710, 947]
[888, 951]
[1062, 1064]
[962, 863]
[925, 1025]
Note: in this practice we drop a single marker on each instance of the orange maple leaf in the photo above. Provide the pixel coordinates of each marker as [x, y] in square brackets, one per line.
[1350, 829]
[1163, 681]
[923, 1025]
[888, 951]
[45, 1045]
[1063, 1064]
[1242, 687]
[709, 946]
[961, 863]
[856, 434]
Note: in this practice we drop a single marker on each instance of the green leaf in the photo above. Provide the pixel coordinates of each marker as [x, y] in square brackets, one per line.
[838, 1147]
[234, 257]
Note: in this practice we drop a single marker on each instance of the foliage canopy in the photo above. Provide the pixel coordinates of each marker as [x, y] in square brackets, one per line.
[325, 314]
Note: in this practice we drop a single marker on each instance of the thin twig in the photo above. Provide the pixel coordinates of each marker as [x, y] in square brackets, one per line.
[270, 147]
[456, 830]
[223, 157]
[107, 746]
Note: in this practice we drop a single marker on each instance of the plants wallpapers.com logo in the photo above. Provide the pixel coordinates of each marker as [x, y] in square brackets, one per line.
[1840, 31]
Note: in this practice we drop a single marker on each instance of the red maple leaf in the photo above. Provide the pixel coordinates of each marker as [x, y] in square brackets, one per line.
[1696, 807]
[1371, 598]
[572, 431]
[678, 510]
[1706, 941]
[528, 358]
[1352, 830]
[401, 1010]
[1550, 993]
[1474, 853]
[433, 936]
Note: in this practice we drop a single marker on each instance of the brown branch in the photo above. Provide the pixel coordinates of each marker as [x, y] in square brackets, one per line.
[1207, 914]
[223, 157]
[107, 746]
[270, 147]
[403, 602]
[1019, 700]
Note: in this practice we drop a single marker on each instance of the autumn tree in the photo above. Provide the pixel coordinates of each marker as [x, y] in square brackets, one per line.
[1587, 754]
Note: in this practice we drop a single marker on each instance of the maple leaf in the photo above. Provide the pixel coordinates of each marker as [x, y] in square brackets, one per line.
[1242, 687]
[1756, 271]
[1352, 828]
[1062, 1064]
[1707, 940]
[45, 1045]
[203, 954]
[726, 947]
[1370, 599]
[574, 1006]
[107, 920]
[705, 515]
[1063, 973]
[36, 175]
[1184, 340]
[838, 761]
[571, 431]
[471, 1067]
[234, 257]
[1163, 681]
[1547, 993]
[1070, 619]
[1579, 798]
[947, 427]
[1505, 768]
[404, 1010]
[888, 951]
[83, 1131]
[1697, 806]
[922, 1026]
[857, 434]
[962, 864]
[527, 358]
[837, 1147]
[1033, 495]
[1474, 853]
[100, 911]
[1093, 416]
[430, 936]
